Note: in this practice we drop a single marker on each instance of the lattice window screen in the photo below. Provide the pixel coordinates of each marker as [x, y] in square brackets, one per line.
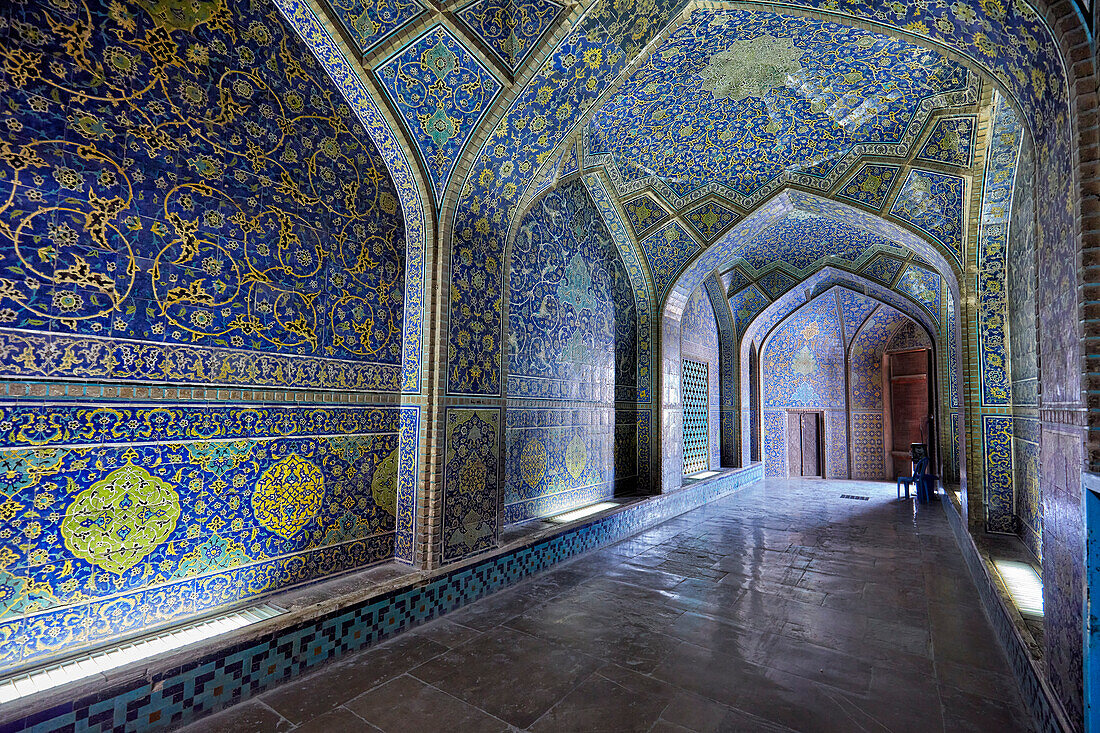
[696, 405]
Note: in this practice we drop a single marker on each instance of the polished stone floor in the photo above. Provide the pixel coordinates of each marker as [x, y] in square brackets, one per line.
[782, 608]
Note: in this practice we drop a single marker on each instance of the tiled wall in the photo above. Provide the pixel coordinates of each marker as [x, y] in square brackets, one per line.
[699, 343]
[572, 353]
[1023, 352]
[170, 217]
[803, 368]
[177, 696]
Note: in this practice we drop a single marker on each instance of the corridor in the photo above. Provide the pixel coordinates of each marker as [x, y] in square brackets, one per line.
[785, 607]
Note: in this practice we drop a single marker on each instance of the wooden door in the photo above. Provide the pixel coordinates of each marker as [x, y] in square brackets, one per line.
[909, 404]
[804, 444]
[811, 432]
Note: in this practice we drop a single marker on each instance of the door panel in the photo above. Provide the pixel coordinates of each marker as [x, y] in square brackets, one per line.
[909, 406]
[810, 437]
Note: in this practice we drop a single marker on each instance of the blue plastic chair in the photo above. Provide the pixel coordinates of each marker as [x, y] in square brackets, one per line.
[918, 471]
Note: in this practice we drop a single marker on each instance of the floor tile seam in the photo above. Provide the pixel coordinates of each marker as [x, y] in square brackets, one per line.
[263, 704]
[354, 714]
[571, 690]
[347, 662]
[453, 697]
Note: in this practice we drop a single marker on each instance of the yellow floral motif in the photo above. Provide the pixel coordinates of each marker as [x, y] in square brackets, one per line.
[576, 456]
[532, 462]
[383, 487]
[288, 496]
[120, 519]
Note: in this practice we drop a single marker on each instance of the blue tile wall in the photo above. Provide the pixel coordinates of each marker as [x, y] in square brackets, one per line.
[369, 23]
[933, 203]
[169, 529]
[442, 93]
[471, 481]
[644, 213]
[1000, 501]
[993, 246]
[202, 255]
[572, 321]
[909, 336]
[632, 261]
[222, 228]
[177, 696]
[667, 250]
[573, 336]
[951, 141]
[511, 30]
[870, 185]
[803, 360]
[710, 219]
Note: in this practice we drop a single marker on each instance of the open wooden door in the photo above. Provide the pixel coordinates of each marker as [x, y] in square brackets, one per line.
[909, 398]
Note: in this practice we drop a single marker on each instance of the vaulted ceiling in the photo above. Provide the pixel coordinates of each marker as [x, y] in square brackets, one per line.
[732, 100]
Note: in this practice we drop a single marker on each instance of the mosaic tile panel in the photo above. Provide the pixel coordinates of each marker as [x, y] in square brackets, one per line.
[560, 458]
[854, 307]
[351, 86]
[644, 213]
[801, 240]
[369, 22]
[694, 386]
[746, 305]
[909, 336]
[698, 326]
[101, 541]
[725, 396]
[993, 250]
[865, 358]
[442, 93]
[870, 185]
[775, 283]
[933, 203]
[511, 30]
[710, 219]
[164, 251]
[175, 697]
[630, 259]
[471, 481]
[952, 351]
[1000, 500]
[407, 482]
[570, 164]
[525, 138]
[951, 141]
[667, 250]
[803, 360]
[923, 285]
[775, 443]
[716, 85]
[868, 458]
[572, 324]
[836, 444]
[734, 280]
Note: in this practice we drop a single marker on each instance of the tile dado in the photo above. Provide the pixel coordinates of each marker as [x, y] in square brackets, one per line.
[120, 517]
[172, 697]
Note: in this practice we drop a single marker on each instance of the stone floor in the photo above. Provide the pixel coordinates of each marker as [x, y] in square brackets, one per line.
[784, 607]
